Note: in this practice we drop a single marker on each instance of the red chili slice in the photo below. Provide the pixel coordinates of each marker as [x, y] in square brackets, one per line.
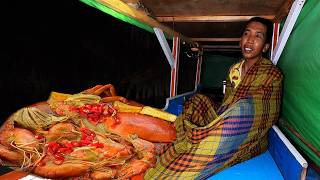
[53, 147]
[68, 145]
[85, 142]
[75, 143]
[64, 150]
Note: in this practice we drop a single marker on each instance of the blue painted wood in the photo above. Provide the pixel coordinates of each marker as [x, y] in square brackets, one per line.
[175, 104]
[261, 167]
[289, 167]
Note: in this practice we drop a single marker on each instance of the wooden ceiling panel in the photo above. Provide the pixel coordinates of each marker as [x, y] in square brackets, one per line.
[212, 7]
[209, 30]
[206, 21]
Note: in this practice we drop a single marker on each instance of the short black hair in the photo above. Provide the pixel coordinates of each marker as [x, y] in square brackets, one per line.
[265, 22]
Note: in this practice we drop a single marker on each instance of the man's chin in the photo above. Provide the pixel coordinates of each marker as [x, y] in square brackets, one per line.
[247, 56]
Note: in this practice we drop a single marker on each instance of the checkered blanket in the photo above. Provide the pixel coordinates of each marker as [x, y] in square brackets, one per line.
[210, 139]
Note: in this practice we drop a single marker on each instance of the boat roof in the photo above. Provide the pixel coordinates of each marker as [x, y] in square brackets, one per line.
[210, 23]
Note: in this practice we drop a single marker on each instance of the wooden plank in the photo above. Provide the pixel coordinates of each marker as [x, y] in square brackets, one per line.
[208, 18]
[283, 11]
[131, 1]
[212, 7]
[222, 50]
[216, 39]
[125, 9]
[221, 47]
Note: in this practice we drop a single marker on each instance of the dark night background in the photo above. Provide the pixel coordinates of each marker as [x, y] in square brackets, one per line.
[68, 46]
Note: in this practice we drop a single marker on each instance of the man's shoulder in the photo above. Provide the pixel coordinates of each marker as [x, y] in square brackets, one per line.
[271, 68]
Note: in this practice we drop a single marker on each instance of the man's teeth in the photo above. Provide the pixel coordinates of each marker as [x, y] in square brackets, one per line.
[248, 49]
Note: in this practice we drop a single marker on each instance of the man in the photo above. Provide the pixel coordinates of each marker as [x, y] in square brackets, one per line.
[210, 138]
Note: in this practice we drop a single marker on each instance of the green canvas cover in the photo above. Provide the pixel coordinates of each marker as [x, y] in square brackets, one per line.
[117, 15]
[215, 69]
[300, 64]
[120, 16]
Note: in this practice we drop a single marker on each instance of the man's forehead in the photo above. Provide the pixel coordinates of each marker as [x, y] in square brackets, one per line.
[256, 26]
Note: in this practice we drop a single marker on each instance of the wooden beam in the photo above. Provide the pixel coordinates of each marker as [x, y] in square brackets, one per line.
[131, 1]
[283, 11]
[125, 9]
[208, 18]
[216, 39]
[221, 47]
[221, 50]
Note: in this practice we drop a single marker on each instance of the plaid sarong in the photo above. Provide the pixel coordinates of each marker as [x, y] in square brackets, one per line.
[209, 141]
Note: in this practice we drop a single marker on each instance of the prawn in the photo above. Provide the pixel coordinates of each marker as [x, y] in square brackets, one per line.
[145, 159]
[20, 145]
[47, 168]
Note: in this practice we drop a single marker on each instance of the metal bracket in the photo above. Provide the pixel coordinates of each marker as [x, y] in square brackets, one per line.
[165, 46]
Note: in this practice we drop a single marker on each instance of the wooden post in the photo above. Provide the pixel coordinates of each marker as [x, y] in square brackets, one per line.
[175, 68]
[198, 73]
[275, 37]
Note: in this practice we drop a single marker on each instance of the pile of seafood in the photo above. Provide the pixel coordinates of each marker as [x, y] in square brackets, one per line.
[94, 134]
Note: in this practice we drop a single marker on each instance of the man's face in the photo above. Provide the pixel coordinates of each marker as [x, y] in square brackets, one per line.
[253, 40]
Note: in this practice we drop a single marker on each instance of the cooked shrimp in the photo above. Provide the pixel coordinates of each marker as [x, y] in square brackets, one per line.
[105, 173]
[48, 169]
[62, 131]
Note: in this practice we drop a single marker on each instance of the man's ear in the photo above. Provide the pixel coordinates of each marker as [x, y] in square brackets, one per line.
[266, 47]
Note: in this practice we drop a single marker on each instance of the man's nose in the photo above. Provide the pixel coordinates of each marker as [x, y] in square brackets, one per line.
[250, 39]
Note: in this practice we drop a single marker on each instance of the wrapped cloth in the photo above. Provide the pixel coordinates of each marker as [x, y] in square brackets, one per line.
[210, 139]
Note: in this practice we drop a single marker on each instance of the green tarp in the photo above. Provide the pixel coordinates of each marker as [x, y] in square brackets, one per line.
[300, 64]
[215, 69]
[120, 16]
[117, 15]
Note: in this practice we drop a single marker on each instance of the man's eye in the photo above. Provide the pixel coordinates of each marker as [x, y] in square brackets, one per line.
[260, 36]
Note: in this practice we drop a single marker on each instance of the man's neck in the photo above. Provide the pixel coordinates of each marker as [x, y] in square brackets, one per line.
[250, 62]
